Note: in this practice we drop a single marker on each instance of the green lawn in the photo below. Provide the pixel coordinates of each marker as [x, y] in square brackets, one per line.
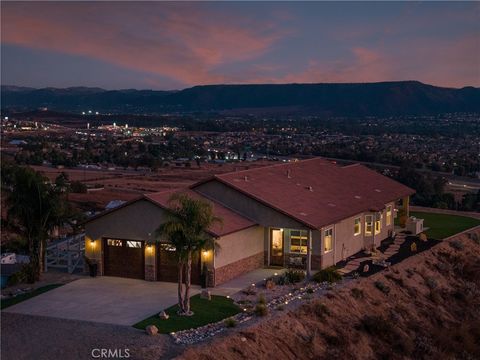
[443, 225]
[205, 312]
[19, 298]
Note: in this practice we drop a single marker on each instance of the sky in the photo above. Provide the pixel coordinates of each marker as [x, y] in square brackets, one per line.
[174, 45]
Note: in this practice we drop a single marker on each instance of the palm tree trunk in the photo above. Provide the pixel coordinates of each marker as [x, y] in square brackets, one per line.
[188, 275]
[180, 287]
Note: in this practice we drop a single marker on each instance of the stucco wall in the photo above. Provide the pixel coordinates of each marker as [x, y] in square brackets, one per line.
[239, 245]
[137, 221]
[248, 207]
[345, 243]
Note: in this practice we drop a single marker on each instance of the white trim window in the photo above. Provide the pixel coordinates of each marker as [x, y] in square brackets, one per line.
[368, 225]
[378, 224]
[389, 215]
[357, 226]
[298, 241]
[328, 240]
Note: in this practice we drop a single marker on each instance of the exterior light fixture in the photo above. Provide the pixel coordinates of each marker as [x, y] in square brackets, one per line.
[92, 242]
[275, 274]
[205, 253]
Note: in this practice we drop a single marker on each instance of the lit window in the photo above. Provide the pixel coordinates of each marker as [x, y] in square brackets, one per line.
[368, 224]
[112, 242]
[357, 229]
[298, 241]
[134, 244]
[389, 215]
[328, 240]
[378, 224]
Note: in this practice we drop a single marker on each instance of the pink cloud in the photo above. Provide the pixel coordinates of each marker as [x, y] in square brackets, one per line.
[185, 43]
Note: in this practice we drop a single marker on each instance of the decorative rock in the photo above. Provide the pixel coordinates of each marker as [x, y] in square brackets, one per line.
[205, 294]
[243, 339]
[151, 330]
[366, 268]
[163, 315]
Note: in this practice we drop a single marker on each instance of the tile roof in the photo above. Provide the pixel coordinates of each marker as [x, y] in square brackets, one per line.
[316, 192]
[232, 221]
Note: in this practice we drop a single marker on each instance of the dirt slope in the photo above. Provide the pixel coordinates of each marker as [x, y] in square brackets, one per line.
[429, 308]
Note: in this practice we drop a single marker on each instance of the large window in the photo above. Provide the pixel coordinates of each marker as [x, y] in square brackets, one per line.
[389, 215]
[357, 228]
[328, 240]
[298, 241]
[368, 224]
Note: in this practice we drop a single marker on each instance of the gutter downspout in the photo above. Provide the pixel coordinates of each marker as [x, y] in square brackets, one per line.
[309, 255]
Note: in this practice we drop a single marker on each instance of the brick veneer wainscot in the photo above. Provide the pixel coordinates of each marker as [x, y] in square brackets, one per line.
[239, 267]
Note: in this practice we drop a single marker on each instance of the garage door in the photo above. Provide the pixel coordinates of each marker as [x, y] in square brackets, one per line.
[167, 268]
[124, 258]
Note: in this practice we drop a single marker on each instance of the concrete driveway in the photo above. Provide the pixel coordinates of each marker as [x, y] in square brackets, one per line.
[103, 299]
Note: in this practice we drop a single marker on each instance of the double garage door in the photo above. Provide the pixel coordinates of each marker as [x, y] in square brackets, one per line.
[126, 258]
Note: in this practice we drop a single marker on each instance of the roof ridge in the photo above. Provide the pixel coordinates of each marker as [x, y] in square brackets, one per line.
[271, 166]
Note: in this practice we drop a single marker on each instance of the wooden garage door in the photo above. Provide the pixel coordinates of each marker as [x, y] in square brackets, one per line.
[124, 258]
[167, 268]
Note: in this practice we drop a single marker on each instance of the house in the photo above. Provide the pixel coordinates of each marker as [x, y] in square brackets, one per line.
[309, 214]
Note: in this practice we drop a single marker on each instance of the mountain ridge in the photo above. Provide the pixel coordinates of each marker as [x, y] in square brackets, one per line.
[337, 99]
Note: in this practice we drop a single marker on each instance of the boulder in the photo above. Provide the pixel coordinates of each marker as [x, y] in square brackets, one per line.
[163, 315]
[205, 294]
[151, 330]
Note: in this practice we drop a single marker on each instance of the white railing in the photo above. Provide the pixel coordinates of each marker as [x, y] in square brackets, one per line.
[66, 254]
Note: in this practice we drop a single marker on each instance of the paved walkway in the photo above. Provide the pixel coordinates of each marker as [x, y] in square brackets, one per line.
[103, 299]
[353, 264]
[241, 282]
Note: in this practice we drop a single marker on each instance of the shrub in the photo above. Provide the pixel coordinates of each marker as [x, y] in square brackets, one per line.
[281, 307]
[321, 310]
[375, 325]
[230, 322]
[457, 245]
[474, 237]
[261, 310]
[250, 290]
[21, 276]
[293, 276]
[309, 290]
[78, 187]
[431, 283]
[382, 287]
[357, 293]
[329, 274]
[261, 299]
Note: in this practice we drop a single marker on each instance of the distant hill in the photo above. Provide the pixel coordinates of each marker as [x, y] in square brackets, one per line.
[356, 99]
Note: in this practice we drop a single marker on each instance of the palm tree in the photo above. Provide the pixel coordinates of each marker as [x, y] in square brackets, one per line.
[186, 230]
[35, 207]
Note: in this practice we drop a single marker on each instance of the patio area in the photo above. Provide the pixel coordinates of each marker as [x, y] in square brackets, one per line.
[241, 282]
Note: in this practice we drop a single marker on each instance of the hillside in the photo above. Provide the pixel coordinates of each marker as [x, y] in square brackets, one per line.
[384, 98]
[431, 311]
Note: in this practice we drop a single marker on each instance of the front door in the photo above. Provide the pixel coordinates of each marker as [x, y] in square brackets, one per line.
[276, 247]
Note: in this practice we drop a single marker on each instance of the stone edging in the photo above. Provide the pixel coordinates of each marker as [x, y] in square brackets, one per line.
[192, 336]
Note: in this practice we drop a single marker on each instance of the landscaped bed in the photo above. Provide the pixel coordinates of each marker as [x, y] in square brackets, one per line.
[205, 312]
[25, 296]
[442, 226]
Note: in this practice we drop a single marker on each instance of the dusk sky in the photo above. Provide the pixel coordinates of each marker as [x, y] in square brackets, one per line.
[159, 45]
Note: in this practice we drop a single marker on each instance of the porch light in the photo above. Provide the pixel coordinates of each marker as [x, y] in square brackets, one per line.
[205, 253]
[92, 242]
